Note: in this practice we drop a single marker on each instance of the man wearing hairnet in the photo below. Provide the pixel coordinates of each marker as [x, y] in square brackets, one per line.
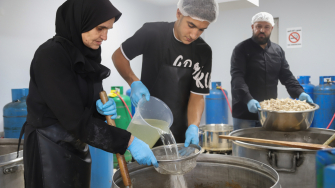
[256, 66]
[176, 67]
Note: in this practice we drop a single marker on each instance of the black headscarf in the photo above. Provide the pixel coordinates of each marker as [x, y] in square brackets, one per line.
[75, 17]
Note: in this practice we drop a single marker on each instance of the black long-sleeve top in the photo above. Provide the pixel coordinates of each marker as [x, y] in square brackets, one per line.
[60, 94]
[255, 73]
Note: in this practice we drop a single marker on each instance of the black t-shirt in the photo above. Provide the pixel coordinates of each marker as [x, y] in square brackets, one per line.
[151, 41]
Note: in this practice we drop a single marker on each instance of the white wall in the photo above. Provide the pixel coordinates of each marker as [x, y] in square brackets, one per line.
[24, 25]
[134, 14]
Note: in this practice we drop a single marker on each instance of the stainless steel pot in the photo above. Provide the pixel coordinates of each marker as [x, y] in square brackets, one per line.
[11, 167]
[209, 137]
[296, 167]
[212, 170]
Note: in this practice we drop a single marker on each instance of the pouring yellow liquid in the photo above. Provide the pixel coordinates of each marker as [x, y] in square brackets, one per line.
[149, 134]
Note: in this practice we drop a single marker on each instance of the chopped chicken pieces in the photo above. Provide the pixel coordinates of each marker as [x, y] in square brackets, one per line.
[285, 105]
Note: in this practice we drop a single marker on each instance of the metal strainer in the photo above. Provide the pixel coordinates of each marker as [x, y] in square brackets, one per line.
[173, 165]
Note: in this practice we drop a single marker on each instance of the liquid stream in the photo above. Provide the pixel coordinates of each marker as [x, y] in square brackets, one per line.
[150, 135]
[171, 151]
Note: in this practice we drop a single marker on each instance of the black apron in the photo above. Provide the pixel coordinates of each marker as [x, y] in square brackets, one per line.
[172, 86]
[54, 158]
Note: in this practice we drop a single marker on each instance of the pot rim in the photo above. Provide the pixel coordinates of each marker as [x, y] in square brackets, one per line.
[245, 144]
[212, 159]
[10, 158]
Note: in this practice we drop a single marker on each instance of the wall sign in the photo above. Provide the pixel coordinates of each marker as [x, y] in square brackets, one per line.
[294, 37]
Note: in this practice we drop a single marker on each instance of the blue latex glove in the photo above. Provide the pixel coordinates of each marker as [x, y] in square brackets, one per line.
[138, 89]
[305, 97]
[142, 153]
[192, 135]
[109, 108]
[253, 105]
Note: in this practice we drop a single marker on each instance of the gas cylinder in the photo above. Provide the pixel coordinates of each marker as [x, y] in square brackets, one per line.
[324, 96]
[123, 118]
[101, 168]
[128, 92]
[306, 84]
[329, 174]
[216, 106]
[15, 113]
[325, 168]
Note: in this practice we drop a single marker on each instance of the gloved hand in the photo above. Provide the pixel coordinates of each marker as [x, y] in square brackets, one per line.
[138, 89]
[192, 135]
[253, 105]
[109, 108]
[305, 97]
[142, 153]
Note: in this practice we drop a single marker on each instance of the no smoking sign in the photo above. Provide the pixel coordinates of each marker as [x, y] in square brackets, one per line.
[294, 37]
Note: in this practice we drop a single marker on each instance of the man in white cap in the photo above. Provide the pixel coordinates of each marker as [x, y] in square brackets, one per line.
[256, 66]
[176, 67]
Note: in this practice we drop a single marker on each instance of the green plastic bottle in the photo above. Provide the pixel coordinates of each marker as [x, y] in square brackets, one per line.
[123, 118]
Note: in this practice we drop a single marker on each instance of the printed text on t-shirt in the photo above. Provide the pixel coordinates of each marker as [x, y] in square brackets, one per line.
[198, 75]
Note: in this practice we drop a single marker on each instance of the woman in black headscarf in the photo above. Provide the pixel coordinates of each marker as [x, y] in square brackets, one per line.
[64, 110]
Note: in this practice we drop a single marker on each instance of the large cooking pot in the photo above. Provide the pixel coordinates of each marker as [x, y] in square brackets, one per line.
[11, 167]
[212, 170]
[296, 167]
[209, 137]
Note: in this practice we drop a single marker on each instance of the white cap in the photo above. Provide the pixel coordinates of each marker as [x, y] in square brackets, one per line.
[263, 17]
[202, 10]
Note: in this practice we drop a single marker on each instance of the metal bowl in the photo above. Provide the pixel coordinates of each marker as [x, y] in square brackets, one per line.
[287, 121]
[179, 166]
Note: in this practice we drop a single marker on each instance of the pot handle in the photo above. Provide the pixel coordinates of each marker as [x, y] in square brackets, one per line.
[13, 169]
[297, 160]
